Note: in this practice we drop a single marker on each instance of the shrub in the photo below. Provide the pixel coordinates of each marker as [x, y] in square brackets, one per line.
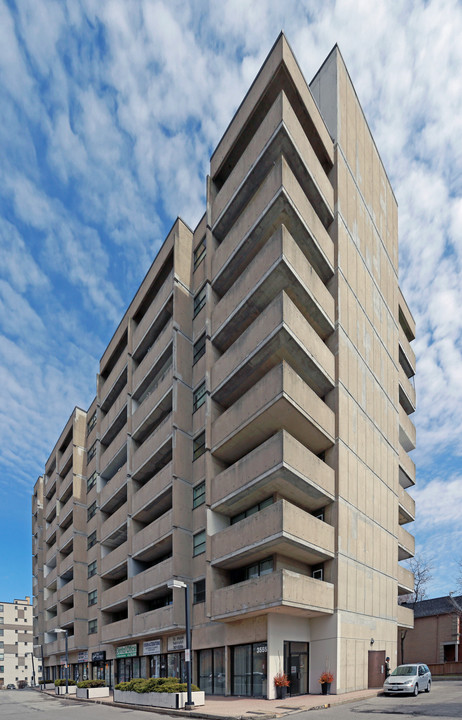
[141, 685]
[62, 683]
[91, 683]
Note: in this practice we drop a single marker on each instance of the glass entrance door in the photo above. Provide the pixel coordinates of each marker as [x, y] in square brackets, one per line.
[296, 667]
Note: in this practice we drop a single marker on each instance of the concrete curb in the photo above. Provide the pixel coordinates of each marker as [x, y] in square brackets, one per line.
[208, 716]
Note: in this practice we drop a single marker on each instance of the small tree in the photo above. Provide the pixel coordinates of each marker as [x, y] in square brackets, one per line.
[422, 569]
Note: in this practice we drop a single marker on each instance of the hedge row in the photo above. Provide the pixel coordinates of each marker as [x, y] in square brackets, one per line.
[141, 685]
[91, 683]
[62, 683]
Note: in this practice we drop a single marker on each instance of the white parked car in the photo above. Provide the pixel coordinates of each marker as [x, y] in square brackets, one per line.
[412, 678]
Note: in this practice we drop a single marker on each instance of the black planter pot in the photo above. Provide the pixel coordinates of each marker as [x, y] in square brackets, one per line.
[325, 688]
[281, 692]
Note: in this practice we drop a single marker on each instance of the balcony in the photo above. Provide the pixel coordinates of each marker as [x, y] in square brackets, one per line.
[406, 506]
[281, 528]
[406, 320]
[406, 544]
[156, 532]
[297, 594]
[280, 465]
[116, 595]
[157, 485]
[110, 388]
[114, 522]
[65, 511]
[407, 434]
[141, 334]
[280, 333]
[153, 577]
[406, 392]
[51, 577]
[66, 460]
[156, 351]
[280, 400]
[66, 617]
[116, 416]
[406, 354]
[112, 563]
[279, 266]
[66, 538]
[280, 133]
[51, 601]
[114, 450]
[114, 491]
[66, 564]
[119, 630]
[405, 617]
[406, 469]
[66, 591]
[51, 530]
[279, 199]
[50, 485]
[153, 450]
[154, 405]
[405, 581]
[159, 620]
[66, 484]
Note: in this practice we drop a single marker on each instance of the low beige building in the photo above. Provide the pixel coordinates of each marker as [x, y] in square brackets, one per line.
[250, 431]
[17, 664]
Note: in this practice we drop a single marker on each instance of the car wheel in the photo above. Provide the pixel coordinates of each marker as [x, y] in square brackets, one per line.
[429, 686]
[416, 690]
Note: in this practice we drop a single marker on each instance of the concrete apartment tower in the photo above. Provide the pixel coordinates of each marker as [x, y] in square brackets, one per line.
[17, 664]
[250, 432]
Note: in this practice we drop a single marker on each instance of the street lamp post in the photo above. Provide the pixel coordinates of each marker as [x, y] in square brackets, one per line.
[35, 647]
[189, 705]
[63, 630]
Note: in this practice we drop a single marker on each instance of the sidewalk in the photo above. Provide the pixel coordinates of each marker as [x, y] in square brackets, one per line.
[237, 708]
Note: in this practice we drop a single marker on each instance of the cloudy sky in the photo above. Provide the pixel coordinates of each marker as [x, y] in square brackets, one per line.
[109, 111]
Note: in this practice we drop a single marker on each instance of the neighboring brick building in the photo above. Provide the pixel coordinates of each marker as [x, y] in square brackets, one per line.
[16, 644]
[436, 637]
[250, 431]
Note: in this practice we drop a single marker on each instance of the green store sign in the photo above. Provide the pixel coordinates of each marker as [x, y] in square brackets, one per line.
[127, 651]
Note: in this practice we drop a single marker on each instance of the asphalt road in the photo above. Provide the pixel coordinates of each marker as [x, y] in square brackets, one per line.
[444, 701]
[28, 704]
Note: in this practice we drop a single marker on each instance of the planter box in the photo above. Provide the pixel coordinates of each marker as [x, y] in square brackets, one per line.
[61, 689]
[49, 686]
[88, 693]
[164, 700]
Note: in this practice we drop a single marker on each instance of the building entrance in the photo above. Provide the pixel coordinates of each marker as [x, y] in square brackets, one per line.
[296, 667]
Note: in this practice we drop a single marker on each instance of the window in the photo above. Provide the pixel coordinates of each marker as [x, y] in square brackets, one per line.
[264, 567]
[199, 543]
[199, 348]
[199, 397]
[2, 632]
[91, 540]
[199, 446]
[91, 481]
[92, 569]
[91, 512]
[91, 452]
[319, 514]
[199, 253]
[92, 597]
[199, 495]
[1, 608]
[2, 669]
[199, 301]
[91, 423]
[92, 627]
[199, 592]
[318, 572]
[252, 510]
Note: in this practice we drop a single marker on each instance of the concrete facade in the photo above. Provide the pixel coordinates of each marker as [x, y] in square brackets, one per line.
[250, 432]
[16, 644]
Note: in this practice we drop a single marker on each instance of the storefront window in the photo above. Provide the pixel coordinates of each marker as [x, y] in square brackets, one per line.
[212, 671]
[248, 675]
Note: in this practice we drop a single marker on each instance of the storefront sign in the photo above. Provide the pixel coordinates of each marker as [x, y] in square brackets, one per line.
[99, 656]
[82, 656]
[152, 647]
[127, 651]
[176, 642]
